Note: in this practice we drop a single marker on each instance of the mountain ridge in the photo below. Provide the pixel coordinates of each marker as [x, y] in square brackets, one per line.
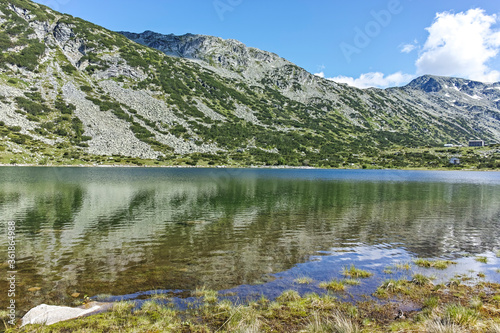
[70, 89]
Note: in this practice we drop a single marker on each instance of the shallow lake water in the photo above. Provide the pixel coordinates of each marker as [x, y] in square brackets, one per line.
[131, 232]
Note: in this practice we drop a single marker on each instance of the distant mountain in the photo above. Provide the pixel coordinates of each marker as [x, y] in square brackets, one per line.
[70, 89]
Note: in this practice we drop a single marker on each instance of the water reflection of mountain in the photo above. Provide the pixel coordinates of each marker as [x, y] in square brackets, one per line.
[179, 232]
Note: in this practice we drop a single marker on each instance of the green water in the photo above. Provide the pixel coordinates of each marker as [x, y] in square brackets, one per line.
[122, 230]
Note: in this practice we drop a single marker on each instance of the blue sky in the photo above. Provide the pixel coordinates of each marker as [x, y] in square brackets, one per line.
[363, 43]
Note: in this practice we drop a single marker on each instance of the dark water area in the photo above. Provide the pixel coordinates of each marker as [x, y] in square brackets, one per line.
[124, 231]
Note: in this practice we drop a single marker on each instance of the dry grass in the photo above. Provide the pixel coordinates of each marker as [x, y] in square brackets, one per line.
[437, 326]
[336, 322]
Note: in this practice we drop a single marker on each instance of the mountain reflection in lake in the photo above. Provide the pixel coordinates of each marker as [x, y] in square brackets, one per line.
[121, 230]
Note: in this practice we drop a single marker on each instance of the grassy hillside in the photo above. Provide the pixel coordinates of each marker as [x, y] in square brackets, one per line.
[72, 92]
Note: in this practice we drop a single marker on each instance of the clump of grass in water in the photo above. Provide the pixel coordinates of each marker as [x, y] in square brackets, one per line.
[354, 272]
[403, 266]
[439, 264]
[102, 297]
[390, 286]
[421, 280]
[484, 260]
[303, 280]
[209, 296]
[333, 285]
[498, 253]
[388, 270]
[352, 282]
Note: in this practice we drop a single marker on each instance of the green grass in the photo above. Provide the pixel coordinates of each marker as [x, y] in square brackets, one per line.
[461, 315]
[439, 264]
[289, 296]
[403, 266]
[421, 280]
[431, 302]
[354, 272]
[303, 280]
[351, 282]
[436, 310]
[390, 286]
[333, 285]
[208, 295]
[483, 260]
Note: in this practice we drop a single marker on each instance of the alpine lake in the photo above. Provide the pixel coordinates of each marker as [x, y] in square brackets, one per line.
[129, 233]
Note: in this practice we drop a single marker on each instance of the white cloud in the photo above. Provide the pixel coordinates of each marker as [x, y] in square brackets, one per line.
[461, 45]
[407, 48]
[375, 79]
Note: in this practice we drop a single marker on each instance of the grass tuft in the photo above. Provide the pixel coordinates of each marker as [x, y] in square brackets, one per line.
[354, 272]
[439, 264]
[351, 282]
[431, 303]
[390, 286]
[438, 326]
[476, 303]
[461, 315]
[336, 322]
[483, 260]
[209, 296]
[403, 266]
[333, 285]
[493, 328]
[289, 296]
[122, 308]
[421, 280]
[303, 280]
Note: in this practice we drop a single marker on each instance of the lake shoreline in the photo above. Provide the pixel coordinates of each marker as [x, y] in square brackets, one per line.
[229, 167]
[414, 304]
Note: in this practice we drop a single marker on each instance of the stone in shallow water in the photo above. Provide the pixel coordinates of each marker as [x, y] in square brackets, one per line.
[51, 314]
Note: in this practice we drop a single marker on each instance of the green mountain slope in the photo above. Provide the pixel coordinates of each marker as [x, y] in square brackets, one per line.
[73, 92]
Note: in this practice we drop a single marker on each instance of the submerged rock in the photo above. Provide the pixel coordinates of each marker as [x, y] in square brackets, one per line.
[51, 314]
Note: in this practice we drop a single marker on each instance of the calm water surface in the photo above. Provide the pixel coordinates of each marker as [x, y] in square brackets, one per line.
[120, 231]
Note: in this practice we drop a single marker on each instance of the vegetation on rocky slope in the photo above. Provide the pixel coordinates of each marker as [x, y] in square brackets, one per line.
[66, 86]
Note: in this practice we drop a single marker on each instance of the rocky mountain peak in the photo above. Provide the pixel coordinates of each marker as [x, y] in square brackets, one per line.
[70, 85]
